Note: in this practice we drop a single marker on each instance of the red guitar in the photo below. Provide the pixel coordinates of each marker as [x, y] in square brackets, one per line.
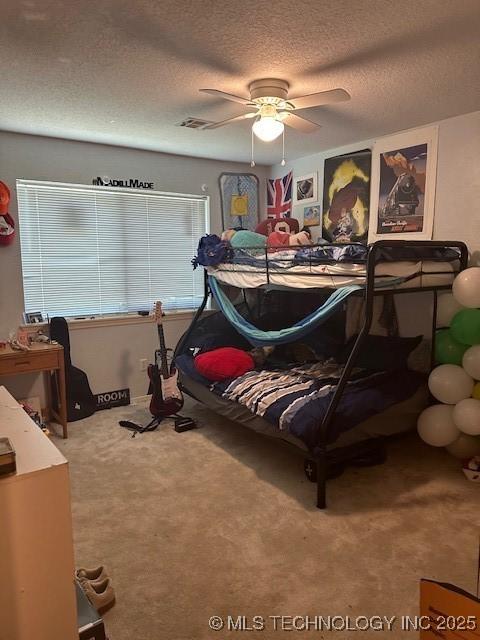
[167, 398]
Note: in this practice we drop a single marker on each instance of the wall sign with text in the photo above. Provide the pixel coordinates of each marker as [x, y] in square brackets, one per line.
[129, 183]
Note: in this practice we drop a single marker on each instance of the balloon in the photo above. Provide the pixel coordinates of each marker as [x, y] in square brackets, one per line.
[471, 362]
[465, 326]
[466, 288]
[447, 307]
[464, 447]
[447, 349]
[449, 383]
[436, 426]
[476, 391]
[466, 415]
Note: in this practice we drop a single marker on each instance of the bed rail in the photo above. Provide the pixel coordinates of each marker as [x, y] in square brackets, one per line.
[372, 259]
[272, 261]
[369, 292]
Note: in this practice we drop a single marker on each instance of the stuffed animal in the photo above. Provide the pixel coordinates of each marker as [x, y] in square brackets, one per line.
[303, 238]
[287, 225]
[228, 234]
[279, 240]
[245, 239]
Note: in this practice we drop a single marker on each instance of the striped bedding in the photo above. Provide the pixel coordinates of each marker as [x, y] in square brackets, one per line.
[295, 400]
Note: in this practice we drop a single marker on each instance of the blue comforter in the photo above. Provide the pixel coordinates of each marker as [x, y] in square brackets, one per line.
[296, 400]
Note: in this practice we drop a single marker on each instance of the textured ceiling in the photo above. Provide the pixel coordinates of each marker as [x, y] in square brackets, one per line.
[125, 72]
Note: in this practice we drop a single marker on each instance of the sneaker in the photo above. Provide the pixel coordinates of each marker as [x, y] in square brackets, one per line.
[100, 594]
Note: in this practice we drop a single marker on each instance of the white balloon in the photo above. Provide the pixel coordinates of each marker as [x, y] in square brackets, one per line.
[466, 415]
[466, 288]
[449, 383]
[471, 361]
[436, 426]
[447, 307]
[464, 447]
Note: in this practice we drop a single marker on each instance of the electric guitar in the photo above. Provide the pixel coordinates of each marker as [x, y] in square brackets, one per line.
[167, 398]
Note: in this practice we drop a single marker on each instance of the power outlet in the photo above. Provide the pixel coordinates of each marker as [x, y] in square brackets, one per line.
[143, 364]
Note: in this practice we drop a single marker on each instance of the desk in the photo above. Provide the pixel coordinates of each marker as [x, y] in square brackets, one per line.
[40, 357]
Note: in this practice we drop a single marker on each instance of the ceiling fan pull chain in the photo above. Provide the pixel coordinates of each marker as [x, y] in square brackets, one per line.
[252, 163]
[283, 149]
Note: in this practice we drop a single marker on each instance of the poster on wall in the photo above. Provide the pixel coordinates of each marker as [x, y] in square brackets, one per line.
[239, 199]
[403, 186]
[279, 197]
[346, 197]
[305, 189]
[311, 216]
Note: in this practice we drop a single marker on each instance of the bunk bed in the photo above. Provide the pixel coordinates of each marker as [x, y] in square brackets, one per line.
[348, 406]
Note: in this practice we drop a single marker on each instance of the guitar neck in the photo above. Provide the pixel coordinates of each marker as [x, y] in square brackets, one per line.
[163, 353]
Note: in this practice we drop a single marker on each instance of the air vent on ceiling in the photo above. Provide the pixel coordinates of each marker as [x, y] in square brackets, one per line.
[193, 123]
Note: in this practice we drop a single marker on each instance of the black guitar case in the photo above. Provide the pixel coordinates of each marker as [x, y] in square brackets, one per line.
[80, 399]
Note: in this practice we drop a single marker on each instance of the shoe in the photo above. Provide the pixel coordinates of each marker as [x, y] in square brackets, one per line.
[96, 584]
[91, 574]
[101, 594]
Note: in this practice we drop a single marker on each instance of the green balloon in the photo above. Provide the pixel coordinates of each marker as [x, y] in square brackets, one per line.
[465, 326]
[447, 349]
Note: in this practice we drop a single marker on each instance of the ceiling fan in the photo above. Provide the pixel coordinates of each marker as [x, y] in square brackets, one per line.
[273, 108]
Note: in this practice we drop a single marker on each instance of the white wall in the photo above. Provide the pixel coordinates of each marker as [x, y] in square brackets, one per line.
[457, 198]
[457, 214]
[109, 355]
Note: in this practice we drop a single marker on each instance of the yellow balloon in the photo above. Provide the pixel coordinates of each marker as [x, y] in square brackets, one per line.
[476, 391]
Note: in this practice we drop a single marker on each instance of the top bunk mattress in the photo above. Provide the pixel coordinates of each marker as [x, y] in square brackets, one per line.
[398, 275]
[333, 266]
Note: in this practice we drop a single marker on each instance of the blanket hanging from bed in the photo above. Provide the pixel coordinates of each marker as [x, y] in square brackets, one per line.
[258, 338]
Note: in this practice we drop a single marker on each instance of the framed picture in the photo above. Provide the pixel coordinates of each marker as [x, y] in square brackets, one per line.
[311, 216]
[403, 186]
[240, 200]
[305, 189]
[346, 197]
[34, 317]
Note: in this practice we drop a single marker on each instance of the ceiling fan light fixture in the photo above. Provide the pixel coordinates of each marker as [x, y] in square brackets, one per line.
[268, 128]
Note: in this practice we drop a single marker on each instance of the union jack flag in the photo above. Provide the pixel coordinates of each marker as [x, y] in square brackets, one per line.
[279, 197]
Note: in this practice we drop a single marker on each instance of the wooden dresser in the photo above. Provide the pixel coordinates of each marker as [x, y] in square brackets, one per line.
[37, 591]
[40, 358]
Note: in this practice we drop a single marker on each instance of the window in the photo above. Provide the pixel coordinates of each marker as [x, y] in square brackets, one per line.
[96, 250]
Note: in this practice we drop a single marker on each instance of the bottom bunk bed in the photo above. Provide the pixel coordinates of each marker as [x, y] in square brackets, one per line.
[287, 398]
[362, 445]
[294, 400]
[334, 396]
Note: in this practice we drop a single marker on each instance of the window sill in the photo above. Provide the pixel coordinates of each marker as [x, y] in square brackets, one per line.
[118, 320]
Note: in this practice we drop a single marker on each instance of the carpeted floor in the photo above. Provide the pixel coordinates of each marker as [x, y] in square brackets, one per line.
[220, 521]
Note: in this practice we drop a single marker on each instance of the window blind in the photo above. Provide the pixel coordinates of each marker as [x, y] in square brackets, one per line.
[99, 250]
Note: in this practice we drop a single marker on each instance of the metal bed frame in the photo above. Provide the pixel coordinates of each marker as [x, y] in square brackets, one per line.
[369, 292]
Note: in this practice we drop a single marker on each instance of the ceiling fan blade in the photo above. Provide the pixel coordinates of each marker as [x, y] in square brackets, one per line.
[299, 123]
[215, 125]
[226, 96]
[319, 99]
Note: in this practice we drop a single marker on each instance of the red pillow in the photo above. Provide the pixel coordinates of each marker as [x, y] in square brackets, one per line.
[223, 363]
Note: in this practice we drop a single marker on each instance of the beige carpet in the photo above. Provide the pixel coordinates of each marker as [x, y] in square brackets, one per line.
[220, 521]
